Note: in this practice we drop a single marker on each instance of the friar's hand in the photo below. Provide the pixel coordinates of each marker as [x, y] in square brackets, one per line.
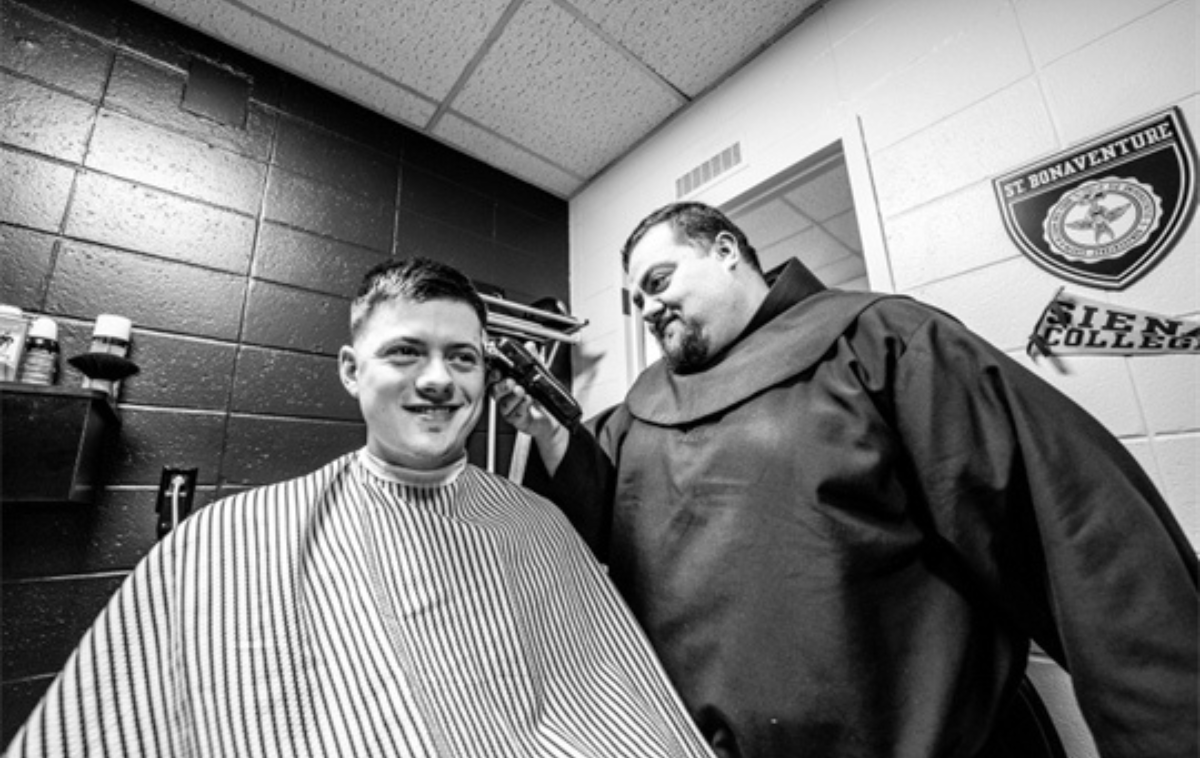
[519, 409]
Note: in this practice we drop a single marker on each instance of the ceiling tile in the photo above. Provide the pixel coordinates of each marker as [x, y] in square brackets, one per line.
[425, 45]
[552, 91]
[771, 222]
[497, 152]
[360, 86]
[693, 43]
[845, 228]
[551, 84]
[319, 64]
[814, 247]
[771, 256]
[838, 272]
[817, 248]
[824, 196]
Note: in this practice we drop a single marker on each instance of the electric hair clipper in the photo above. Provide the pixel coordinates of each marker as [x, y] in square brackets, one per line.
[514, 361]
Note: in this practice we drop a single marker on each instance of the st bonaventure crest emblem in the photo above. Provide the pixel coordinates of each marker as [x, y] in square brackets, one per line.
[1104, 213]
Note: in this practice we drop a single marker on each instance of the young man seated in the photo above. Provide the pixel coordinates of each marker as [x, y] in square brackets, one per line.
[398, 601]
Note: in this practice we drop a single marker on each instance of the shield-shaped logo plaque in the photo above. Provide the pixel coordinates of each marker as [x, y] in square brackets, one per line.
[1102, 214]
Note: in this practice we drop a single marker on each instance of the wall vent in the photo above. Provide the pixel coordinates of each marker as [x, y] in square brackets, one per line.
[709, 170]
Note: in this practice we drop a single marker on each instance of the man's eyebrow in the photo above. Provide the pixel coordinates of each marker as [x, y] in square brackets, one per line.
[388, 344]
[418, 342]
[385, 348]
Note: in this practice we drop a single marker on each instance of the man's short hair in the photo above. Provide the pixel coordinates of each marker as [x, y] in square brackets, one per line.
[417, 279]
[695, 222]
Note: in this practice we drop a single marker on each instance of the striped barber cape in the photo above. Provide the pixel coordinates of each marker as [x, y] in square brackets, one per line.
[347, 614]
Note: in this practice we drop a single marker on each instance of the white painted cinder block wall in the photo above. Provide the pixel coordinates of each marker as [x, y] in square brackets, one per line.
[932, 99]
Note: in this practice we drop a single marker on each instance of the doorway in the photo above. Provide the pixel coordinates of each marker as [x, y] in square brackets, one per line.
[806, 212]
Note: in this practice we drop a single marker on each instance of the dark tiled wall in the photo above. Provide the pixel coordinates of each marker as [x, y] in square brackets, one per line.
[234, 250]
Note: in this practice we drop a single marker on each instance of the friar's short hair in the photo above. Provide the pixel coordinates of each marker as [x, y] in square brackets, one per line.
[695, 222]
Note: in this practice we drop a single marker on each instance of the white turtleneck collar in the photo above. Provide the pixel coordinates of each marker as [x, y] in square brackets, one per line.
[390, 472]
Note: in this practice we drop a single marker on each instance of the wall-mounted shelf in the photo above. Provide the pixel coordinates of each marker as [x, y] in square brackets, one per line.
[52, 442]
[527, 322]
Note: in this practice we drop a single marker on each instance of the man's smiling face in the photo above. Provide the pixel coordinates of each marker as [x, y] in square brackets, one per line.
[418, 374]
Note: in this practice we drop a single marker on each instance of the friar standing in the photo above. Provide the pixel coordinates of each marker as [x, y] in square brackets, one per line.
[842, 518]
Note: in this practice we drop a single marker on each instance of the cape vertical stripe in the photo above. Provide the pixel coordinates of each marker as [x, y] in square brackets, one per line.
[344, 614]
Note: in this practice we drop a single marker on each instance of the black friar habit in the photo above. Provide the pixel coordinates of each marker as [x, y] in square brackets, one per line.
[843, 535]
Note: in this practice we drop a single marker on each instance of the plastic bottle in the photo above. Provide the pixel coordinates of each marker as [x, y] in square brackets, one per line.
[40, 364]
[110, 335]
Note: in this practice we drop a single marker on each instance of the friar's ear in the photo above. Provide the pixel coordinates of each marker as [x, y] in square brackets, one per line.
[727, 249]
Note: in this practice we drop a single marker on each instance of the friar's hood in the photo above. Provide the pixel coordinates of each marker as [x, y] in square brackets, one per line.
[788, 344]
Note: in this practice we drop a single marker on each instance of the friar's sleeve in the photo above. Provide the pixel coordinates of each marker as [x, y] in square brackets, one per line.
[1059, 527]
[583, 485]
[121, 692]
